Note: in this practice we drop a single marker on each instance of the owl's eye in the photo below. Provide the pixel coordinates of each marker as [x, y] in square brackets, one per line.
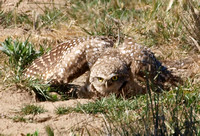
[115, 78]
[100, 79]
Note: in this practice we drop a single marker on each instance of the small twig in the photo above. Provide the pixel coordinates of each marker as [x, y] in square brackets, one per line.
[118, 23]
[170, 5]
[195, 42]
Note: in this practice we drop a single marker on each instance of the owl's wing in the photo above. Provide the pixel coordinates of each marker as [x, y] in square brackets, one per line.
[68, 60]
[143, 63]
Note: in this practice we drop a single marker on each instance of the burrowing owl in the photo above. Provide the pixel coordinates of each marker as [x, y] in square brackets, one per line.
[125, 69]
[120, 70]
[68, 60]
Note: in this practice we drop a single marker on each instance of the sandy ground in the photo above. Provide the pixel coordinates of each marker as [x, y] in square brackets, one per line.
[12, 100]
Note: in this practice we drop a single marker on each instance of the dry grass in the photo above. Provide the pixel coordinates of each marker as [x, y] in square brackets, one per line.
[191, 21]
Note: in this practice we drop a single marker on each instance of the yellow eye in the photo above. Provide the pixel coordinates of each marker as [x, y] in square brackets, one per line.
[115, 78]
[100, 79]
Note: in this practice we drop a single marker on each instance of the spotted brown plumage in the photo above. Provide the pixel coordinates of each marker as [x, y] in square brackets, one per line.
[112, 69]
[68, 60]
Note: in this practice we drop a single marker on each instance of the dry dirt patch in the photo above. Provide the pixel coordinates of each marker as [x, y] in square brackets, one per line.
[31, 5]
[11, 101]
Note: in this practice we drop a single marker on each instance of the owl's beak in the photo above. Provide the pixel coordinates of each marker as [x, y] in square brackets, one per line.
[107, 84]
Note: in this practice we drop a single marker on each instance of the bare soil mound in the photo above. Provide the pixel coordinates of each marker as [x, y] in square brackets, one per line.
[11, 102]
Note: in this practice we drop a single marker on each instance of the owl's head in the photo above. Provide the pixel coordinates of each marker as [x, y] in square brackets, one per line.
[108, 75]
